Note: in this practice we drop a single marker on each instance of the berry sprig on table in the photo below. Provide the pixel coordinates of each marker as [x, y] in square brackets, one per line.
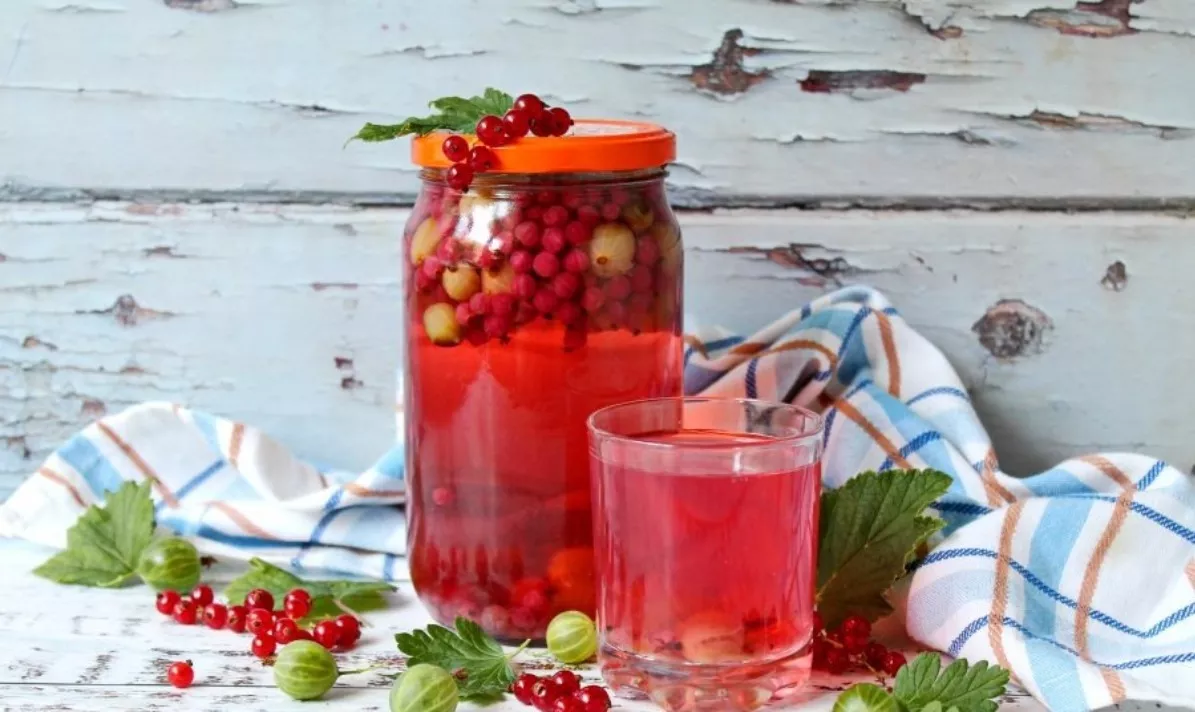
[494, 118]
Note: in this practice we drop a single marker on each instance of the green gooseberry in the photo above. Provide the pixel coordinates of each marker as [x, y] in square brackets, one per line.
[170, 563]
[572, 637]
[424, 688]
[305, 670]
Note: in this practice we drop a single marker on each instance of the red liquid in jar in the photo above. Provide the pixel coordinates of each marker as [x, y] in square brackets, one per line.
[501, 527]
[706, 568]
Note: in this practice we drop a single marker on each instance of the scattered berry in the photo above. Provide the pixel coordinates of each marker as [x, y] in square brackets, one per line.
[350, 630]
[542, 124]
[567, 681]
[546, 265]
[836, 661]
[297, 603]
[491, 131]
[529, 104]
[166, 601]
[456, 148]
[259, 598]
[259, 621]
[236, 618]
[180, 674]
[215, 615]
[893, 662]
[263, 645]
[555, 216]
[202, 595]
[560, 121]
[854, 644]
[856, 625]
[185, 612]
[875, 654]
[522, 687]
[595, 698]
[567, 703]
[544, 694]
[285, 630]
[520, 261]
[516, 123]
[327, 634]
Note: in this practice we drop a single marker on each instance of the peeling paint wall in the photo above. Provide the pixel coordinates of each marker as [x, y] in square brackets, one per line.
[177, 203]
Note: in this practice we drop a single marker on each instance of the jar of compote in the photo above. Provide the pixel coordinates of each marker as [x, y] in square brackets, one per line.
[549, 288]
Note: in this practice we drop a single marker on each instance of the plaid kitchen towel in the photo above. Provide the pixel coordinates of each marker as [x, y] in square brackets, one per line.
[1080, 580]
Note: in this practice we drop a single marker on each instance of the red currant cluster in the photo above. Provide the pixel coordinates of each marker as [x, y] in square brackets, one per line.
[561, 692]
[256, 615]
[528, 115]
[850, 646]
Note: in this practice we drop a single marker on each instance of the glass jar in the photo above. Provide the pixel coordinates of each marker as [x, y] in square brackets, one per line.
[548, 290]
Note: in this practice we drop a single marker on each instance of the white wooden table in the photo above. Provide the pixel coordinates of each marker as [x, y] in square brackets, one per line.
[71, 648]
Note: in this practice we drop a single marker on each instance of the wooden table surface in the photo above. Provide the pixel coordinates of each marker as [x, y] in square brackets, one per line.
[72, 648]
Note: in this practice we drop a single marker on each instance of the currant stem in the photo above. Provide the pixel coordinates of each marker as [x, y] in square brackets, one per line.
[519, 649]
[359, 671]
[344, 607]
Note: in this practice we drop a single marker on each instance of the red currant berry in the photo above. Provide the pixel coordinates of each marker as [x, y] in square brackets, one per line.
[482, 159]
[456, 148]
[479, 304]
[542, 124]
[236, 618]
[837, 661]
[647, 252]
[185, 612]
[259, 598]
[589, 216]
[180, 675]
[820, 648]
[595, 698]
[576, 233]
[546, 265]
[527, 233]
[593, 299]
[521, 261]
[263, 645]
[443, 496]
[491, 131]
[618, 288]
[567, 681]
[525, 285]
[215, 615]
[561, 121]
[304, 634]
[568, 703]
[202, 595]
[297, 603]
[285, 630]
[555, 216]
[854, 644]
[875, 653]
[503, 304]
[522, 687]
[569, 313]
[610, 212]
[641, 279]
[544, 694]
[547, 197]
[327, 634]
[166, 601]
[529, 103]
[566, 284]
[545, 300]
[553, 239]
[516, 123]
[576, 261]
[893, 662]
[856, 625]
[259, 621]
[459, 176]
[350, 630]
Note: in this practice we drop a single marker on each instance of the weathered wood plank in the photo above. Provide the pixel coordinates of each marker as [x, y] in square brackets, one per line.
[72, 665]
[288, 316]
[929, 101]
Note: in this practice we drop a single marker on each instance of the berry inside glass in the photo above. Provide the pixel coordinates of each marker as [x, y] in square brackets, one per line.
[532, 301]
[706, 549]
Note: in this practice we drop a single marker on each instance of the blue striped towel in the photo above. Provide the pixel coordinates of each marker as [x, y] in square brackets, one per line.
[1080, 580]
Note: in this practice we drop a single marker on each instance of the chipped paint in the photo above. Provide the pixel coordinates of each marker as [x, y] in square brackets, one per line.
[127, 312]
[1012, 329]
[1103, 19]
[828, 82]
[1116, 277]
[725, 73]
[202, 5]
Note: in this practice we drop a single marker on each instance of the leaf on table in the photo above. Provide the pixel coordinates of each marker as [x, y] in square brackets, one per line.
[481, 667]
[452, 113]
[359, 596]
[104, 545]
[870, 529]
[922, 684]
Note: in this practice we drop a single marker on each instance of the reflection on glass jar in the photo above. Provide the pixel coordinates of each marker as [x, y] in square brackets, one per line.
[532, 301]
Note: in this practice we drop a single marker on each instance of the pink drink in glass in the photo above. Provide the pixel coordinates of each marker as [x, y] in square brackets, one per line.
[706, 549]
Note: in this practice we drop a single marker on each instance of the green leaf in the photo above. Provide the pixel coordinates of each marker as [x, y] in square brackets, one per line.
[482, 668]
[359, 596]
[103, 546]
[865, 698]
[452, 113]
[968, 688]
[870, 529]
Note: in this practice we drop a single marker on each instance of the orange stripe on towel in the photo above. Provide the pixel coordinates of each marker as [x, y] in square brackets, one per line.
[55, 477]
[890, 354]
[996, 493]
[140, 463]
[234, 445]
[1000, 588]
[874, 433]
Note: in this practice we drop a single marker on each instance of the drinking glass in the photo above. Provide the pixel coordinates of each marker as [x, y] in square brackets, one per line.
[705, 536]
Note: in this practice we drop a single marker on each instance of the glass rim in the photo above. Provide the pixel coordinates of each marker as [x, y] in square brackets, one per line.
[814, 431]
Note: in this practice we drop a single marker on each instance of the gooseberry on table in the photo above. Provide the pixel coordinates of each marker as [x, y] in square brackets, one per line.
[424, 688]
[170, 563]
[305, 670]
[572, 637]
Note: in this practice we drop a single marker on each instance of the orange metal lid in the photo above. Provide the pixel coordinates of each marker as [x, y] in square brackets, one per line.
[591, 145]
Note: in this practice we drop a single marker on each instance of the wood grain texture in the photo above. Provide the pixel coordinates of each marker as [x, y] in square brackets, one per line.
[782, 102]
[114, 656]
[1064, 327]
